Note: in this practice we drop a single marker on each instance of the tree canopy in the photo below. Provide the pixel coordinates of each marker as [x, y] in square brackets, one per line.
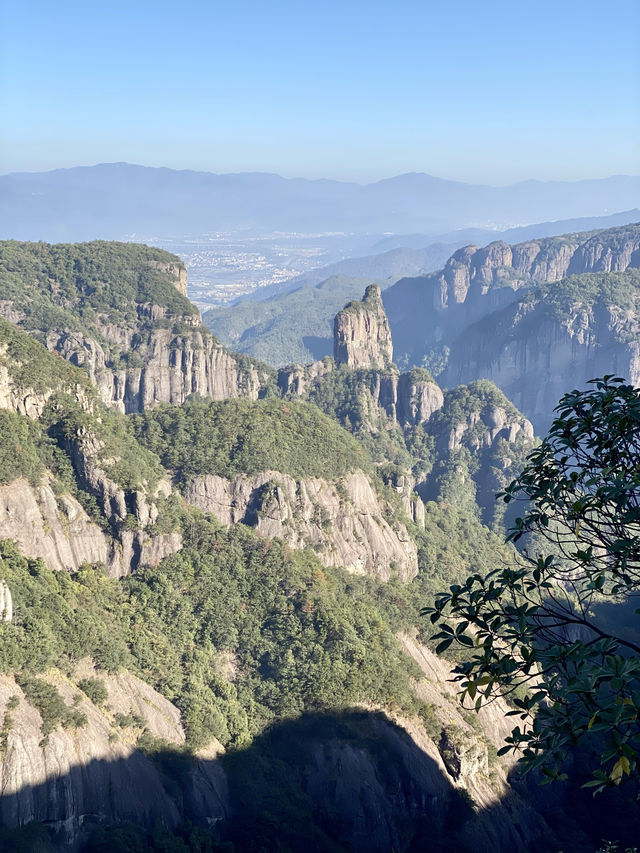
[536, 631]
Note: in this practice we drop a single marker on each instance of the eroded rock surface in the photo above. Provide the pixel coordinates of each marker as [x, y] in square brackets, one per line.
[346, 523]
[165, 366]
[536, 355]
[78, 777]
[361, 336]
[426, 313]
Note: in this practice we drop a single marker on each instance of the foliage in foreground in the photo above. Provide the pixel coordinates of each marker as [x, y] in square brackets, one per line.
[534, 627]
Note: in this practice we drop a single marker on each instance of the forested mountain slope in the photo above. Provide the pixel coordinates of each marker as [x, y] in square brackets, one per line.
[120, 311]
[165, 665]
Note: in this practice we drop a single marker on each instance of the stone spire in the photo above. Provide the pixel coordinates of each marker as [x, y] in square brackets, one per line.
[361, 333]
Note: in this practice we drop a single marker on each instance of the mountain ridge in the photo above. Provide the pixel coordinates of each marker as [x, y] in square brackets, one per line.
[113, 200]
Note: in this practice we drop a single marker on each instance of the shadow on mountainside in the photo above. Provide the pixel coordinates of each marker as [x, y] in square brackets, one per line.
[349, 782]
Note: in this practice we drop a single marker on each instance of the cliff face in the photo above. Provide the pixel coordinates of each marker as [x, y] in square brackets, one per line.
[361, 334]
[129, 512]
[425, 312]
[6, 603]
[480, 444]
[123, 316]
[42, 516]
[377, 402]
[345, 523]
[535, 354]
[56, 528]
[169, 366]
[403, 399]
[77, 777]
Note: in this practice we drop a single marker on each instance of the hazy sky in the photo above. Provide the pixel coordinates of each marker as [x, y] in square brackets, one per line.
[489, 92]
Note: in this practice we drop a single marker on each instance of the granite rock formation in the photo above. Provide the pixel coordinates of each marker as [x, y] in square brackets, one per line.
[76, 778]
[345, 523]
[164, 366]
[426, 313]
[535, 354]
[361, 334]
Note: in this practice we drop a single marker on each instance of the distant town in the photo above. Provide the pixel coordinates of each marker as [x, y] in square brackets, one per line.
[225, 266]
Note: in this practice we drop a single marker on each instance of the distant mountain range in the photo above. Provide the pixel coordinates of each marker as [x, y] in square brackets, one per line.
[292, 321]
[484, 236]
[119, 200]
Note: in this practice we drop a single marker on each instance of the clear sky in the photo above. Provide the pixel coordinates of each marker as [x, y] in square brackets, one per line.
[489, 92]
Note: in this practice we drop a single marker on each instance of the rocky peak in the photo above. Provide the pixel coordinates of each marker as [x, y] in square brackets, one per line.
[361, 333]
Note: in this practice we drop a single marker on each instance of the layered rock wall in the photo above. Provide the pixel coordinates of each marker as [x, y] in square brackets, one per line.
[428, 312]
[164, 367]
[56, 528]
[76, 778]
[535, 356]
[345, 523]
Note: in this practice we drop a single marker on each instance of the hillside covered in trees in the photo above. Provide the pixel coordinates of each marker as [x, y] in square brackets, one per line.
[211, 601]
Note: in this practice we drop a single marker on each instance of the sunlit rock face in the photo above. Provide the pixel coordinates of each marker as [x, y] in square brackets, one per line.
[6, 603]
[430, 311]
[362, 337]
[167, 367]
[345, 523]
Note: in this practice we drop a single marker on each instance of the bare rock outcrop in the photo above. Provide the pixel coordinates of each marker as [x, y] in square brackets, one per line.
[77, 777]
[296, 380]
[361, 336]
[405, 399]
[535, 355]
[346, 523]
[19, 396]
[474, 271]
[428, 312]
[161, 366]
[6, 603]
[56, 528]
[418, 397]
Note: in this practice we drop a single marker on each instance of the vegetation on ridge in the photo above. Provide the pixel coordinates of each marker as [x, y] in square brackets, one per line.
[83, 284]
[241, 436]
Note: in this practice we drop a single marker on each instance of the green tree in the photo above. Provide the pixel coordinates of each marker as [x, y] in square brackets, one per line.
[534, 631]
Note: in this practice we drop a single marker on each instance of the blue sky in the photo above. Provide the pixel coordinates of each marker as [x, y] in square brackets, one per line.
[487, 92]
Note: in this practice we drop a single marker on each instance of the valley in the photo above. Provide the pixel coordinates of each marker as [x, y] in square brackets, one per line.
[214, 571]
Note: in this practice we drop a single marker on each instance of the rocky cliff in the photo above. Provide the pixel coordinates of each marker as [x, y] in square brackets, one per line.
[40, 512]
[123, 316]
[463, 445]
[345, 522]
[480, 444]
[371, 782]
[404, 399]
[426, 312]
[553, 340]
[91, 771]
[159, 366]
[361, 334]
[6, 603]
